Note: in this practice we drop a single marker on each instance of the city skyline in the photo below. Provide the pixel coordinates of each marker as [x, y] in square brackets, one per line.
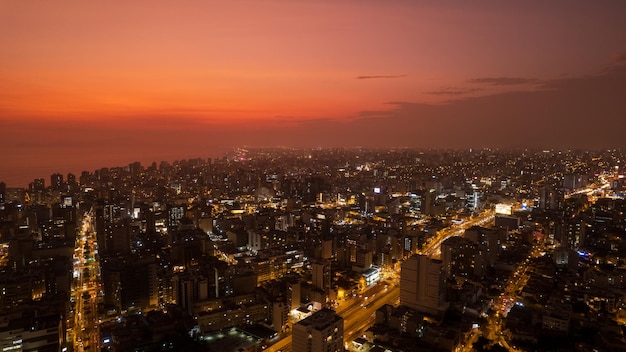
[84, 85]
[358, 250]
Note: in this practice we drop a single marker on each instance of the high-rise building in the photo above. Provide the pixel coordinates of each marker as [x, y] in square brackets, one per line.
[174, 214]
[119, 236]
[321, 274]
[327, 249]
[72, 184]
[135, 168]
[363, 260]
[573, 181]
[3, 192]
[550, 198]
[190, 288]
[489, 238]
[313, 187]
[38, 185]
[56, 182]
[422, 285]
[322, 331]
[575, 232]
[293, 293]
[463, 257]
[30, 330]
[130, 283]
[473, 200]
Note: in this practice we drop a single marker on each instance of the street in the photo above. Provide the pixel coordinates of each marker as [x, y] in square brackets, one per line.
[85, 289]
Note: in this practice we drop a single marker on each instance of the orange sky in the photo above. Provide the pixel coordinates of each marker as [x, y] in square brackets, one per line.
[80, 75]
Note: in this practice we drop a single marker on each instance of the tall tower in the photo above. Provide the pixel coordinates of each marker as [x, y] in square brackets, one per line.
[422, 285]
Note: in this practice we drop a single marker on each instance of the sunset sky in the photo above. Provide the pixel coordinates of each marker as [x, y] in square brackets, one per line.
[86, 84]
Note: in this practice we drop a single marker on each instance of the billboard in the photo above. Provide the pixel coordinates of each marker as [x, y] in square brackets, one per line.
[504, 209]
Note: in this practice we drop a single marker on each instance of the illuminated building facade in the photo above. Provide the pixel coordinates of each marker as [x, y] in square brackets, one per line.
[322, 331]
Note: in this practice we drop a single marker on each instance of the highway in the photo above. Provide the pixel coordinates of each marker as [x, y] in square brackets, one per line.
[433, 247]
[359, 313]
[282, 345]
[358, 319]
[85, 289]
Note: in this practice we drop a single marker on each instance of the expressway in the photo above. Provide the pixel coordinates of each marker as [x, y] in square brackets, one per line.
[85, 289]
[433, 247]
[360, 318]
[359, 312]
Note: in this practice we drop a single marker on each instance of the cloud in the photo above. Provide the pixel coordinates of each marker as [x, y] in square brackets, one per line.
[565, 113]
[373, 113]
[619, 57]
[454, 91]
[380, 76]
[569, 112]
[503, 81]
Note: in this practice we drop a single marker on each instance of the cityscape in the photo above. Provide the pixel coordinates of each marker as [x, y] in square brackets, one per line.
[312, 176]
[282, 249]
